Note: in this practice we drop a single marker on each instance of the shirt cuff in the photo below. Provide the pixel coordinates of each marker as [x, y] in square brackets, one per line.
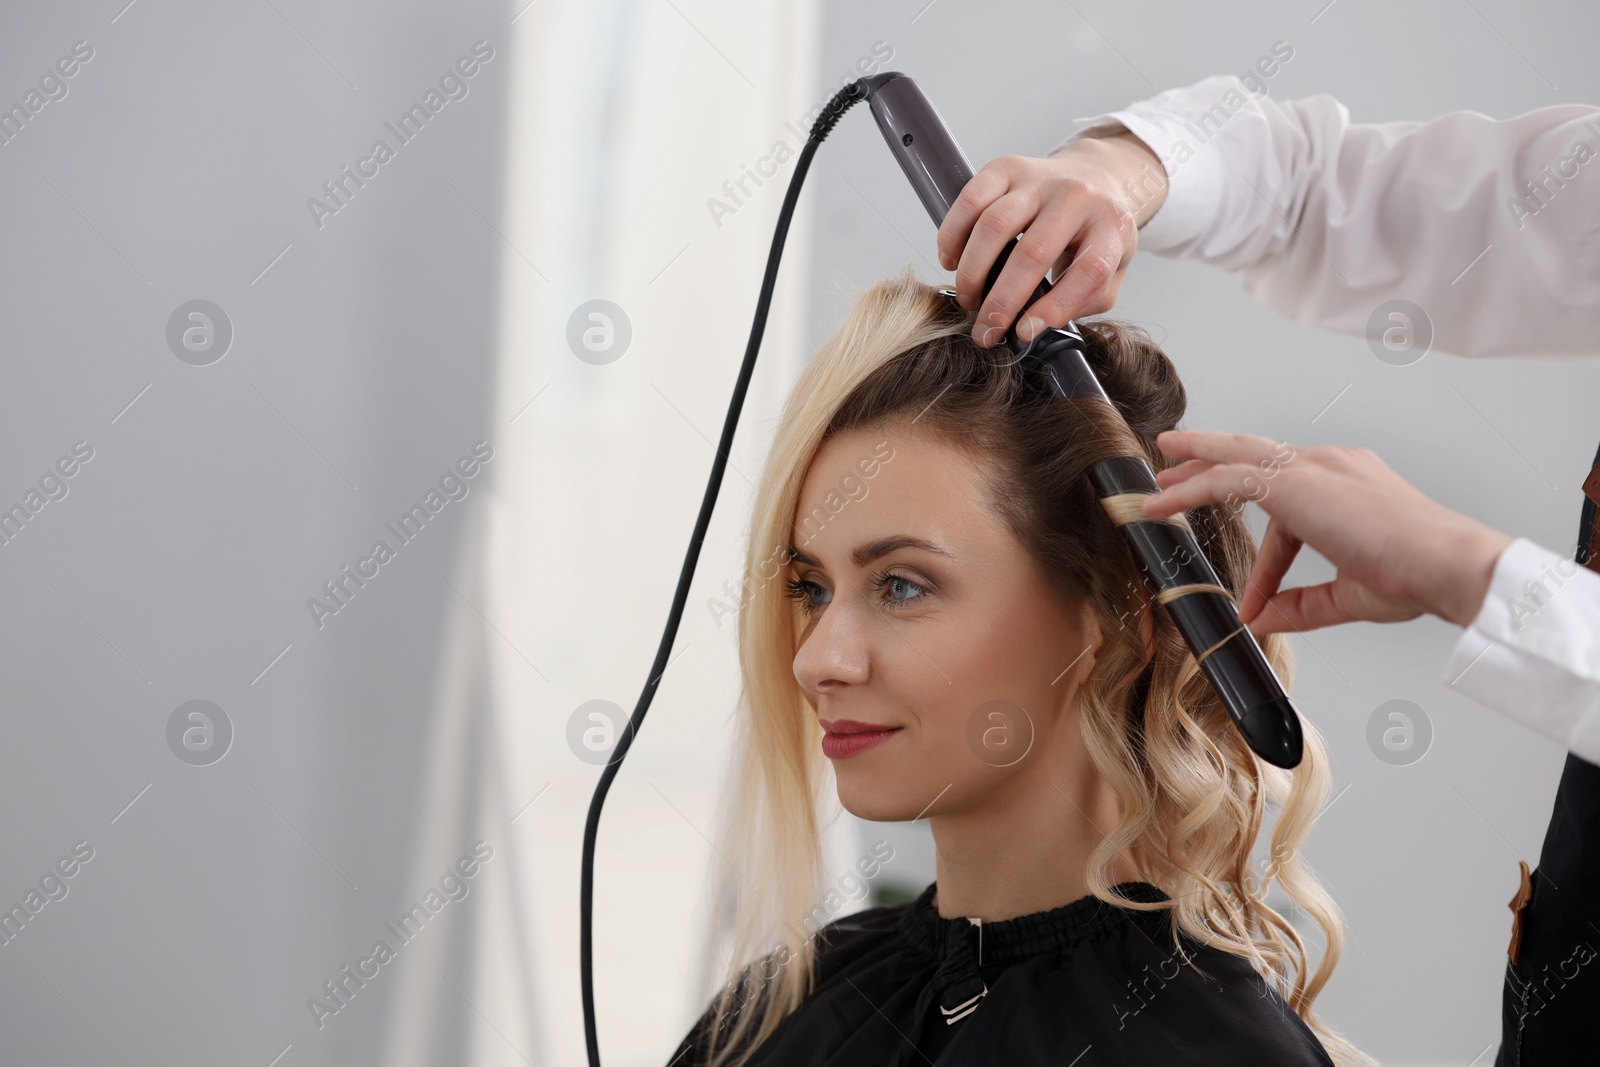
[1196, 178]
[1533, 650]
[1188, 205]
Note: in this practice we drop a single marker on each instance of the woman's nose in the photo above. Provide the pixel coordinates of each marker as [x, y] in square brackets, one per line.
[835, 653]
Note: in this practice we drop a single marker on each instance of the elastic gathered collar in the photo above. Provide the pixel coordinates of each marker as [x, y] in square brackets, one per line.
[954, 943]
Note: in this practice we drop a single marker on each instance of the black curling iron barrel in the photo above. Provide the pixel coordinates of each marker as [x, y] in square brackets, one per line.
[1173, 565]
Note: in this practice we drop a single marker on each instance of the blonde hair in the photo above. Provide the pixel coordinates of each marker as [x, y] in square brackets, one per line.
[1193, 795]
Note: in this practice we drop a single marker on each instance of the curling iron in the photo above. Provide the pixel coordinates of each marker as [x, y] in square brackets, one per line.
[1172, 562]
[1165, 549]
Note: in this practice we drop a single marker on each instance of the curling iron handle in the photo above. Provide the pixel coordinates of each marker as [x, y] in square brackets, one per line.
[935, 165]
[932, 161]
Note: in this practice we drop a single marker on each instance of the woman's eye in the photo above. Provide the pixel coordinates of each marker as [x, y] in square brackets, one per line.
[897, 585]
[807, 594]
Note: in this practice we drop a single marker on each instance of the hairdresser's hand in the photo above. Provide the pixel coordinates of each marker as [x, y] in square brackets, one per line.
[1398, 553]
[1079, 211]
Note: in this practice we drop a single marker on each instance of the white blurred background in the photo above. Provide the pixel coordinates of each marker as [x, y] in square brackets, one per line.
[428, 722]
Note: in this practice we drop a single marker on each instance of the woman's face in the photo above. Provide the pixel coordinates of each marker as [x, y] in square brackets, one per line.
[924, 618]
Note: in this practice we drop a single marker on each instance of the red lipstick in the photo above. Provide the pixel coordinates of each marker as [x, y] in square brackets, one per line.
[843, 738]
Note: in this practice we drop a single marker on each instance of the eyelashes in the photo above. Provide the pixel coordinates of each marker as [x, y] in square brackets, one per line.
[798, 590]
[801, 590]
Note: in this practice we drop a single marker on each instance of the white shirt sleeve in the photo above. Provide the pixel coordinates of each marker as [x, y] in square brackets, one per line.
[1532, 652]
[1491, 226]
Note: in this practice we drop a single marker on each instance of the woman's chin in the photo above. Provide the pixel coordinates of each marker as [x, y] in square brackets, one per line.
[876, 804]
[874, 809]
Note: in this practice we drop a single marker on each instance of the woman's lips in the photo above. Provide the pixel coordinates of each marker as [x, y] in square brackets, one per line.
[843, 738]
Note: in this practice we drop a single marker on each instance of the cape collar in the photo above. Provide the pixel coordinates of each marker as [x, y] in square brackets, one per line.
[963, 946]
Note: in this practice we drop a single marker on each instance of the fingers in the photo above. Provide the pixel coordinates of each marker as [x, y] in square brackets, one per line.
[1213, 485]
[1217, 467]
[1006, 214]
[1273, 560]
[981, 190]
[1220, 447]
[1302, 608]
[1066, 219]
[1088, 287]
[1025, 268]
[1187, 469]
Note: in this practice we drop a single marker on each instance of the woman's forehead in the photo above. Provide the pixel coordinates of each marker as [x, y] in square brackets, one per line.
[874, 483]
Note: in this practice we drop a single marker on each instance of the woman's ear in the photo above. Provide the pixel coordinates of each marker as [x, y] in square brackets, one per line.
[1085, 646]
[1089, 622]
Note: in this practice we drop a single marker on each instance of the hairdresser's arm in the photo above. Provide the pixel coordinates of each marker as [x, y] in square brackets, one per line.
[1530, 645]
[1325, 220]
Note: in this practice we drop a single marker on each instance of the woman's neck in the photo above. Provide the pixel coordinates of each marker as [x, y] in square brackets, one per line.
[1026, 849]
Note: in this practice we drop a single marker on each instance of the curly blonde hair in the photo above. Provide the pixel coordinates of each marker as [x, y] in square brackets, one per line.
[1193, 795]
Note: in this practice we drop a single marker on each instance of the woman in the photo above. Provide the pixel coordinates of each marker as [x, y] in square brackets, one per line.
[939, 610]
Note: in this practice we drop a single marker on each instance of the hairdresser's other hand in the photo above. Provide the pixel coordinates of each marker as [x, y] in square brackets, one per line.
[1397, 552]
[1079, 211]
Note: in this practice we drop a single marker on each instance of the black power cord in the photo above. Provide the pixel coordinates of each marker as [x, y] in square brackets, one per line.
[835, 109]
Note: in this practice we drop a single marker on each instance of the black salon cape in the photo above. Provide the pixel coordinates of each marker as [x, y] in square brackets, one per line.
[1087, 984]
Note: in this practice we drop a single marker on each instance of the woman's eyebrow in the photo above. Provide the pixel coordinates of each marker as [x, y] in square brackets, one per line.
[875, 549]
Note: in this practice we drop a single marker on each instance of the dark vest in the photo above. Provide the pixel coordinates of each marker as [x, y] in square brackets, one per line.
[1552, 981]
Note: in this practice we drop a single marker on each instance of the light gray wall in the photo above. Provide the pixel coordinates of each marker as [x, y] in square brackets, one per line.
[220, 497]
[1422, 858]
[179, 565]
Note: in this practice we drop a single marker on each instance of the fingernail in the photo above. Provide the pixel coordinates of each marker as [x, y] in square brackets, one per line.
[1030, 327]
